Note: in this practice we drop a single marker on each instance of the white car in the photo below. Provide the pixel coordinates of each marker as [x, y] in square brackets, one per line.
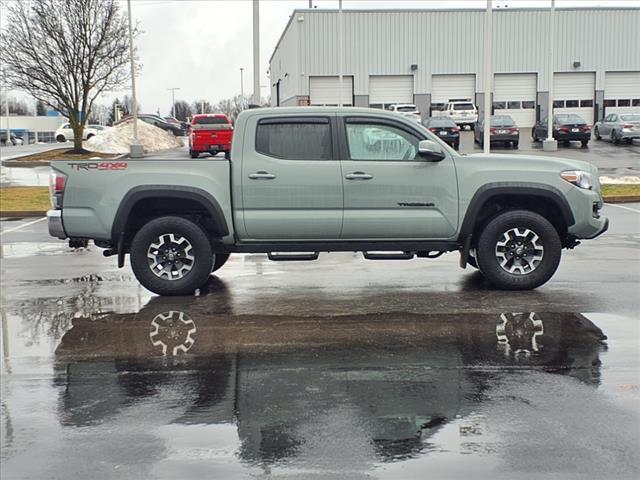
[404, 108]
[65, 133]
[462, 112]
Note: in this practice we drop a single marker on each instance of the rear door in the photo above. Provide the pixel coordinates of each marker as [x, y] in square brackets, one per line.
[291, 182]
[389, 191]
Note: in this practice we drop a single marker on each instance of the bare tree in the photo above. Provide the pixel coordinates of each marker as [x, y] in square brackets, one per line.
[232, 107]
[182, 110]
[41, 108]
[202, 106]
[66, 53]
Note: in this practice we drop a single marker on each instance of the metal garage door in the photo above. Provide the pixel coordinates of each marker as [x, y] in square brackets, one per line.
[326, 90]
[389, 89]
[447, 87]
[574, 93]
[621, 92]
[514, 94]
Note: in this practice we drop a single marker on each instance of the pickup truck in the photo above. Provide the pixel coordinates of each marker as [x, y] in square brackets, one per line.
[210, 132]
[305, 180]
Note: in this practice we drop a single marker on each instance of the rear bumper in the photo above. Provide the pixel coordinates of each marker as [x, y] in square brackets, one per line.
[54, 221]
[629, 135]
[572, 136]
[505, 137]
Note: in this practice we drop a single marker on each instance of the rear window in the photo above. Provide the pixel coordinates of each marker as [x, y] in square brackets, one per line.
[308, 139]
[441, 122]
[570, 119]
[502, 122]
[210, 121]
[406, 108]
[631, 118]
[463, 106]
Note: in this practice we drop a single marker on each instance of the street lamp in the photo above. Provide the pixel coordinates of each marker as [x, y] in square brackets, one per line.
[173, 100]
[135, 149]
[241, 83]
[550, 144]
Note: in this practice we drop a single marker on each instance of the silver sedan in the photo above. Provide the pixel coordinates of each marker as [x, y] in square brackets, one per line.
[618, 127]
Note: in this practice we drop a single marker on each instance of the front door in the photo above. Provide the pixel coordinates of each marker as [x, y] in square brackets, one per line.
[390, 192]
[291, 183]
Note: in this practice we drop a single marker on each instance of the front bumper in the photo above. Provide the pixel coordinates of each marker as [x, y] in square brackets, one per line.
[54, 221]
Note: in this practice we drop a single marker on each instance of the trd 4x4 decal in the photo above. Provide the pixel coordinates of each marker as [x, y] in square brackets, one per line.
[98, 165]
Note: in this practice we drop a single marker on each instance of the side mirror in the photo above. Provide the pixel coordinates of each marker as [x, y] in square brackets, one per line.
[430, 151]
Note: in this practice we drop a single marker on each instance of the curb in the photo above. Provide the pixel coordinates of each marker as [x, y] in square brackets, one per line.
[625, 199]
[23, 164]
[23, 214]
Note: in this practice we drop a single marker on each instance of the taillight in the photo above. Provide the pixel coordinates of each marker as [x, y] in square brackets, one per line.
[627, 126]
[586, 128]
[492, 130]
[456, 129]
[57, 182]
[563, 129]
[431, 129]
[513, 130]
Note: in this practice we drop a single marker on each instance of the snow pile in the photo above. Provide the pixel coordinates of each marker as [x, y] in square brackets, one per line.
[629, 179]
[119, 138]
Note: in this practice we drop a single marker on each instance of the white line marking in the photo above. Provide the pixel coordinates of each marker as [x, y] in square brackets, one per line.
[620, 206]
[22, 226]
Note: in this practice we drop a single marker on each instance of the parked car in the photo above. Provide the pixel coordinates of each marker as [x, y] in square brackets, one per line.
[157, 121]
[404, 108]
[303, 180]
[445, 129]
[210, 132]
[619, 127]
[566, 127]
[64, 133]
[174, 120]
[15, 140]
[502, 129]
[463, 112]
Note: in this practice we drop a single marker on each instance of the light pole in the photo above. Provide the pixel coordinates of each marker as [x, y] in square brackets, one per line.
[242, 84]
[135, 149]
[488, 76]
[173, 100]
[256, 53]
[550, 144]
[340, 52]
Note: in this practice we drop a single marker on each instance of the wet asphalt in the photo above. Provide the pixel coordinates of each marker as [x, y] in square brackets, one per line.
[339, 369]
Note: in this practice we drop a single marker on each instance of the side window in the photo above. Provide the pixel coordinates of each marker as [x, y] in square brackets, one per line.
[295, 140]
[372, 141]
[614, 117]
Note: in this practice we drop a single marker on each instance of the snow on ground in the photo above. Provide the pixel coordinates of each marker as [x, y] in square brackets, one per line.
[119, 138]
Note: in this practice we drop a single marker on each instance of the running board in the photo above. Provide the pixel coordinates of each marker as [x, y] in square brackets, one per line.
[388, 256]
[293, 257]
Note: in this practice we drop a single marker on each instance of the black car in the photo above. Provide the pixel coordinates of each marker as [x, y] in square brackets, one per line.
[445, 128]
[503, 129]
[13, 139]
[159, 122]
[566, 127]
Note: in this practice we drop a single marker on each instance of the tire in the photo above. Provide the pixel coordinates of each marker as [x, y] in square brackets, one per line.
[519, 273]
[456, 146]
[227, 155]
[219, 260]
[585, 143]
[614, 137]
[90, 135]
[165, 234]
[596, 133]
[515, 145]
[194, 154]
[61, 138]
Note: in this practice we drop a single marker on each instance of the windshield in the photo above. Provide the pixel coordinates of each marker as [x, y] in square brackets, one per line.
[441, 122]
[634, 117]
[406, 108]
[463, 106]
[209, 121]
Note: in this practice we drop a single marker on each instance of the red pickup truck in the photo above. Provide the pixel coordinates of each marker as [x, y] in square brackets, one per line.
[210, 132]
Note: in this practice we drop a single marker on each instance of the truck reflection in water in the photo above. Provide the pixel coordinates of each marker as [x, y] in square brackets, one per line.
[398, 377]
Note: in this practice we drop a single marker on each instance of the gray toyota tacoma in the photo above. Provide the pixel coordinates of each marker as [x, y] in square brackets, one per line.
[318, 179]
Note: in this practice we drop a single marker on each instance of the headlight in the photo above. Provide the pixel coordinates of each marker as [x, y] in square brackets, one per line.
[579, 178]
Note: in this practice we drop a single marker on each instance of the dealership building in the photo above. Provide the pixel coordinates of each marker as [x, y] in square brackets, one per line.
[428, 57]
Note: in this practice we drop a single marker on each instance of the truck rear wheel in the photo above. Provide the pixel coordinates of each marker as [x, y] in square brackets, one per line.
[171, 256]
[518, 250]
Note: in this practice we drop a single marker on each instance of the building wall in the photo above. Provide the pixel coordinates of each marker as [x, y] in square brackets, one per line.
[43, 126]
[450, 41]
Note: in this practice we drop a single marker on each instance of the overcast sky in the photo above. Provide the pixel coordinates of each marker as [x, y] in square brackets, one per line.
[200, 45]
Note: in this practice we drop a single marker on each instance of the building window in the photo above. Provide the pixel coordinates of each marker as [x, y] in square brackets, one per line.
[572, 104]
[558, 104]
[513, 105]
[499, 105]
[635, 102]
[529, 105]
[437, 107]
[308, 139]
[586, 103]
[609, 103]
[46, 137]
[624, 103]
[380, 142]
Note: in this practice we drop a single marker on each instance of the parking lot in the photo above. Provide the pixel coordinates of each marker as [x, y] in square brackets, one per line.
[340, 368]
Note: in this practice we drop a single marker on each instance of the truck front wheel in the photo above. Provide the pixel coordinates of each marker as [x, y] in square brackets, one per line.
[518, 250]
[171, 256]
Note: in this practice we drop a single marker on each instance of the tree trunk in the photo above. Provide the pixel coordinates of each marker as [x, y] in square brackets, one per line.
[77, 138]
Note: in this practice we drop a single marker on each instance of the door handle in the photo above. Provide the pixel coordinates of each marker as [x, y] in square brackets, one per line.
[262, 176]
[358, 176]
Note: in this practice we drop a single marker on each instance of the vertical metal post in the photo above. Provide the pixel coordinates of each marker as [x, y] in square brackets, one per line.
[173, 100]
[340, 66]
[550, 144]
[241, 84]
[488, 76]
[256, 53]
[133, 79]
